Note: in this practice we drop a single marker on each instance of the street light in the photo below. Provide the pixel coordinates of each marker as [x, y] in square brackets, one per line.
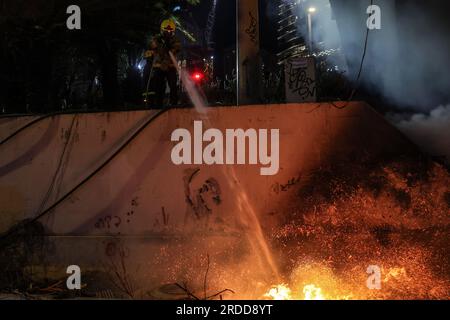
[311, 10]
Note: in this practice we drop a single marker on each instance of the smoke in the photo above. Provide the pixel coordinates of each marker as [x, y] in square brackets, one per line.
[430, 131]
[406, 60]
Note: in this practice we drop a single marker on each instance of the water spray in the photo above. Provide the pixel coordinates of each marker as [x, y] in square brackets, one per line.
[247, 214]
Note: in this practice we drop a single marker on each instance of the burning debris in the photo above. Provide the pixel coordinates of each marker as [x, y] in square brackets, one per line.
[392, 214]
[279, 292]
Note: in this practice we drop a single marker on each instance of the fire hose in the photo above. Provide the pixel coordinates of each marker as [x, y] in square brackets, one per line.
[150, 75]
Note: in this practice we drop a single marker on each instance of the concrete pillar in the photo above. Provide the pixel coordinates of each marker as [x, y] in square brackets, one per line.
[249, 65]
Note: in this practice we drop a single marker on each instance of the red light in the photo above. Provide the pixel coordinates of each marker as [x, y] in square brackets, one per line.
[197, 76]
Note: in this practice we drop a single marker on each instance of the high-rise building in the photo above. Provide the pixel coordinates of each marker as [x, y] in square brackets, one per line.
[290, 19]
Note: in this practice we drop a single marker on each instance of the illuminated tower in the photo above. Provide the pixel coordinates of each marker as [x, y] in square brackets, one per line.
[290, 18]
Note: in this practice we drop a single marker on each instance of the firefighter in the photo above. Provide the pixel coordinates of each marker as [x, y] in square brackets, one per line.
[160, 66]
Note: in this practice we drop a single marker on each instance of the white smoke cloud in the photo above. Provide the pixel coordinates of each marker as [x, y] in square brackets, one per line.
[431, 132]
[406, 61]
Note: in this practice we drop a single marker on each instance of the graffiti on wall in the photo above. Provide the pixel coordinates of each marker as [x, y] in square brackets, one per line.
[277, 188]
[201, 197]
[252, 30]
[162, 219]
[114, 222]
[300, 80]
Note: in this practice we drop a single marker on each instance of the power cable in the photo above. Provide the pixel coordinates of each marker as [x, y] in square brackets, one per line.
[19, 226]
[29, 124]
[355, 88]
[58, 167]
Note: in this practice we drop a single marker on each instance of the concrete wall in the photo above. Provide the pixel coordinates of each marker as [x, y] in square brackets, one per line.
[141, 196]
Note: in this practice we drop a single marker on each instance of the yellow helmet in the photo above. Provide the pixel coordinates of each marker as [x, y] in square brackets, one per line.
[168, 26]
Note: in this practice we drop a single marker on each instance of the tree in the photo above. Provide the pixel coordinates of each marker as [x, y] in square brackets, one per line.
[41, 61]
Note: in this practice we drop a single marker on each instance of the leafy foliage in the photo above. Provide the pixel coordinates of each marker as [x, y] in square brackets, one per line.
[45, 66]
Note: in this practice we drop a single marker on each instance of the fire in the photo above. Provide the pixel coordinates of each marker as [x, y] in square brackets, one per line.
[327, 287]
[283, 292]
[312, 292]
[395, 273]
[279, 292]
